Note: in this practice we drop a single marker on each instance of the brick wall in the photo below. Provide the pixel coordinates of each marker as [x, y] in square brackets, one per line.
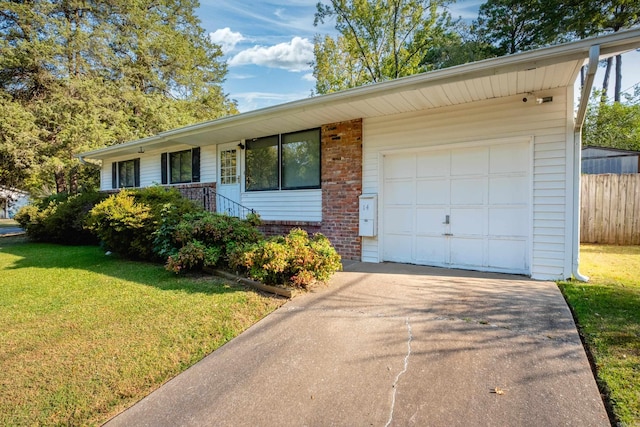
[203, 194]
[341, 185]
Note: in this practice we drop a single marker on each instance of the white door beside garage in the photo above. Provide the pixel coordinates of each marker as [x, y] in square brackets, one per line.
[463, 208]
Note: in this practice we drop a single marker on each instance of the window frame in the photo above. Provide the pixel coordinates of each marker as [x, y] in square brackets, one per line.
[247, 173]
[280, 164]
[188, 162]
[117, 171]
[166, 171]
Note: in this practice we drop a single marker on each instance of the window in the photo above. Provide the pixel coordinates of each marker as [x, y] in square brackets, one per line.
[301, 160]
[228, 166]
[262, 164]
[180, 166]
[125, 174]
[284, 162]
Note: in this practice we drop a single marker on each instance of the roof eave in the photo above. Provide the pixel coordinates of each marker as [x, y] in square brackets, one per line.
[574, 51]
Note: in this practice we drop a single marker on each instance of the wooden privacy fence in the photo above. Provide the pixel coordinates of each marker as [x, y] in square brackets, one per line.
[610, 209]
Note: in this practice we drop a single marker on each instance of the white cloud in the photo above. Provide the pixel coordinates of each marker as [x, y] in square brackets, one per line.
[226, 38]
[249, 101]
[293, 56]
[309, 77]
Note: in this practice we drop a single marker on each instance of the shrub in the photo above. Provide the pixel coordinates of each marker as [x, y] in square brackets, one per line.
[129, 222]
[221, 234]
[193, 256]
[60, 218]
[123, 225]
[294, 259]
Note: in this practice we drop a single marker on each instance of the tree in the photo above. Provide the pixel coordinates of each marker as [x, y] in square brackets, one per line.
[469, 44]
[81, 74]
[517, 25]
[615, 125]
[378, 40]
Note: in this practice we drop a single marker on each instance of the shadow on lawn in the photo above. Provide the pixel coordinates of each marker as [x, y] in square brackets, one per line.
[93, 259]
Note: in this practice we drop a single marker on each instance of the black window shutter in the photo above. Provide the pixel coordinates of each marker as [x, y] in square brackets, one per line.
[114, 175]
[163, 168]
[136, 173]
[195, 164]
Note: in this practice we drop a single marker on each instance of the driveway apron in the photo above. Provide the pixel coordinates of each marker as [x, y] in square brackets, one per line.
[392, 344]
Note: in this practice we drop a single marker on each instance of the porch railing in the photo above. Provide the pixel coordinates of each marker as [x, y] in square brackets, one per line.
[211, 201]
[231, 207]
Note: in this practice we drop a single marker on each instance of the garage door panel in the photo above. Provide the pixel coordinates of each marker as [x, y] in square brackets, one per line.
[433, 164]
[469, 191]
[468, 221]
[432, 192]
[400, 166]
[398, 220]
[399, 192]
[508, 158]
[432, 250]
[508, 222]
[430, 221]
[398, 248]
[467, 252]
[508, 255]
[508, 190]
[470, 161]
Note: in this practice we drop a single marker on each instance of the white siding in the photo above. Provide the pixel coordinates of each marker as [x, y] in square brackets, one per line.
[105, 175]
[486, 120]
[286, 205]
[150, 170]
[208, 156]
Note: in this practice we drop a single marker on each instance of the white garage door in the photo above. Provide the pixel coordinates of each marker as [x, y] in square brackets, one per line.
[463, 208]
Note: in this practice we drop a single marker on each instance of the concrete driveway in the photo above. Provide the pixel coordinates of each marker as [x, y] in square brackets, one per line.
[393, 344]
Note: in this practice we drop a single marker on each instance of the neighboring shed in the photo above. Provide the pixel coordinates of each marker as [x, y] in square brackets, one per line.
[11, 200]
[599, 160]
[475, 166]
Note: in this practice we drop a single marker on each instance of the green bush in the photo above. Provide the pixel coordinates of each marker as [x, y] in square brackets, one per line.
[294, 259]
[193, 256]
[123, 225]
[60, 218]
[221, 235]
[128, 222]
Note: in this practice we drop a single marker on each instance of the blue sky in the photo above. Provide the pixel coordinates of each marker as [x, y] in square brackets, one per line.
[268, 46]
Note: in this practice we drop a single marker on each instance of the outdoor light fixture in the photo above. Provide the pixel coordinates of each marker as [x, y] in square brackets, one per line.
[537, 99]
[141, 150]
[241, 146]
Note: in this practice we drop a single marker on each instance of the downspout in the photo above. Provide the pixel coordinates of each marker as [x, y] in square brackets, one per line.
[594, 58]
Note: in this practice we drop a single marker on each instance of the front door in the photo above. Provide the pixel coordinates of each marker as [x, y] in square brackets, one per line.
[228, 187]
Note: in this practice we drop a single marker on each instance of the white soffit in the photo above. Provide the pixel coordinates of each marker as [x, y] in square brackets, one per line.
[533, 71]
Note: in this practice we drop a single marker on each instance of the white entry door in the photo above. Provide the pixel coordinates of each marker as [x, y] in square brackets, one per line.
[228, 186]
[463, 208]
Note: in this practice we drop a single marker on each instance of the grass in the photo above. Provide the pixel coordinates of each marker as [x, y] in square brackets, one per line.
[84, 335]
[607, 310]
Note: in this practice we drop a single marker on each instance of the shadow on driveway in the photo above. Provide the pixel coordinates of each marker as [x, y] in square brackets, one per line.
[393, 344]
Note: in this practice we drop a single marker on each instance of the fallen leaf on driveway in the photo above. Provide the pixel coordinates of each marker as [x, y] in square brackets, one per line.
[497, 390]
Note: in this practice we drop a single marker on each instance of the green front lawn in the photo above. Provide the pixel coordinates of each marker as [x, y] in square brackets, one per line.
[607, 310]
[84, 335]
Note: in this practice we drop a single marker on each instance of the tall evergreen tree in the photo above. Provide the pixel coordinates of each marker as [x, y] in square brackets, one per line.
[80, 74]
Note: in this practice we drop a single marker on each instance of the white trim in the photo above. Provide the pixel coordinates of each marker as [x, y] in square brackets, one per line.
[466, 143]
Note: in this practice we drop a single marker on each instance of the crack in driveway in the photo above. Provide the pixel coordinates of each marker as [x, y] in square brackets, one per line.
[404, 369]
